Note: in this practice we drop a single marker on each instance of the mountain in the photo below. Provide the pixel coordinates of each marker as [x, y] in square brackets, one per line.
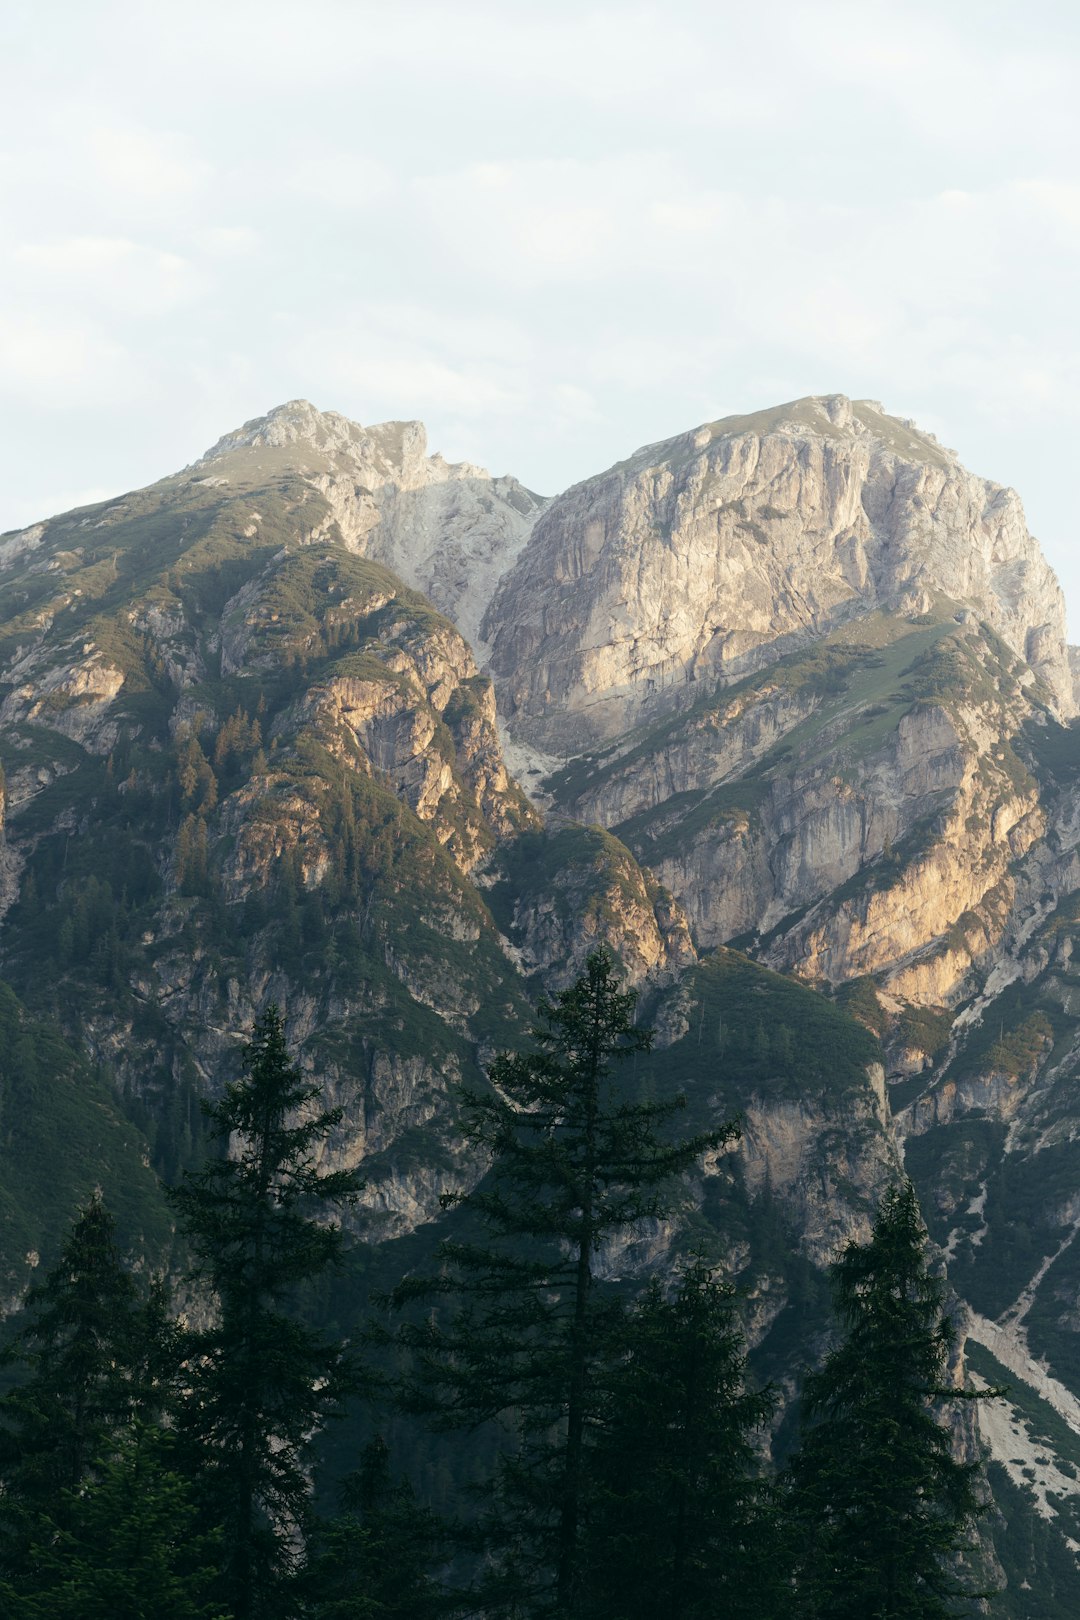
[780, 709]
[448, 529]
[713, 553]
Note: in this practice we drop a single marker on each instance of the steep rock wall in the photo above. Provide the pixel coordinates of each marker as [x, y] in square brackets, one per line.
[710, 553]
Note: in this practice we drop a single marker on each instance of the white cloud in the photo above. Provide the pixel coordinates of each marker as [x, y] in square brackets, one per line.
[337, 178]
[64, 365]
[559, 221]
[944, 71]
[664, 258]
[145, 165]
[574, 406]
[129, 277]
[228, 241]
[606, 54]
[395, 359]
[554, 230]
[399, 379]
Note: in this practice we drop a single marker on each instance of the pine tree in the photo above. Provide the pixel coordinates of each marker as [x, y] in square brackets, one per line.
[125, 1545]
[102, 1364]
[198, 784]
[680, 1521]
[879, 1502]
[78, 1344]
[262, 1383]
[373, 1560]
[575, 1163]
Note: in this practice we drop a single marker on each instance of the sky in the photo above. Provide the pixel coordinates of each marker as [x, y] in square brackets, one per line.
[553, 232]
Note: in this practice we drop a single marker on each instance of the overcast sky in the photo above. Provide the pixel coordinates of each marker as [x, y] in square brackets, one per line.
[552, 231]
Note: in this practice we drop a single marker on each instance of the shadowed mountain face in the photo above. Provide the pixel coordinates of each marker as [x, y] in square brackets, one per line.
[789, 701]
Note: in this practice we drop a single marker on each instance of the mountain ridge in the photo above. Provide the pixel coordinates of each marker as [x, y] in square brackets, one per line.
[251, 754]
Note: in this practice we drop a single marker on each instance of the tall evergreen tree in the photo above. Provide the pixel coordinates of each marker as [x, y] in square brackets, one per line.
[78, 1345]
[374, 1560]
[87, 1499]
[680, 1522]
[124, 1546]
[879, 1502]
[262, 1382]
[575, 1163]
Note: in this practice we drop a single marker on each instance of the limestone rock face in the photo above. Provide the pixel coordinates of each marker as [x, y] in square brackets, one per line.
[712, 553]
[571, 890]
[73, 699]
[856, 809]
[781, 1154]
[448, 529]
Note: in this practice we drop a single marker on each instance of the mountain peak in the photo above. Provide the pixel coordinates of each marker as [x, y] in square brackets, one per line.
[704, 555]
[815, 416]
[835, 416]
[327, 433]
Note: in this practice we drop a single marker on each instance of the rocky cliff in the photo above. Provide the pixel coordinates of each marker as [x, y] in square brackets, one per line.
[247, 760]
[800, 688]
[711, 553]
[448, 529]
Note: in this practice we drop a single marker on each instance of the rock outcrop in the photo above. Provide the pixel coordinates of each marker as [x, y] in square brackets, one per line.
[713, 553]
[448, 529]
[561, 894]
[856, 809]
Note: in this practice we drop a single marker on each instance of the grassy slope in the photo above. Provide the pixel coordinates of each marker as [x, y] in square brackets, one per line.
[858, 683]
[62, 1133]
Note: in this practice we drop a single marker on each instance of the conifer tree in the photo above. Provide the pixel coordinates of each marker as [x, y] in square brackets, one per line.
[80, 1448]
[373, 1561]
[262, 1382]
[880, 1505]
[680, 1521]
[125, 1545]
[575, 1163]
[78, 1344]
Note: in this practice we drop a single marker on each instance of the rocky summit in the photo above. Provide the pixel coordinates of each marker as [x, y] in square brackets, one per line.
[781, 710]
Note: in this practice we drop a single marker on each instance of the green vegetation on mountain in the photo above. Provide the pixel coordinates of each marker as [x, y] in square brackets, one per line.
[680, 1520]
[749, 1030]
[1039, 1566]
[537, 865]
[1025, 1217]
[198, 806]
[242, 764]
[1042, 1577]
[1025, 1195]
[62, 1133]
[186, 1483]
[375, 1558]
[94, 1518]
[951, 1167]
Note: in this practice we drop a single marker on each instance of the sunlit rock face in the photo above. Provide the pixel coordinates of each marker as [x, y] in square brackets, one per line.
[711, 553]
